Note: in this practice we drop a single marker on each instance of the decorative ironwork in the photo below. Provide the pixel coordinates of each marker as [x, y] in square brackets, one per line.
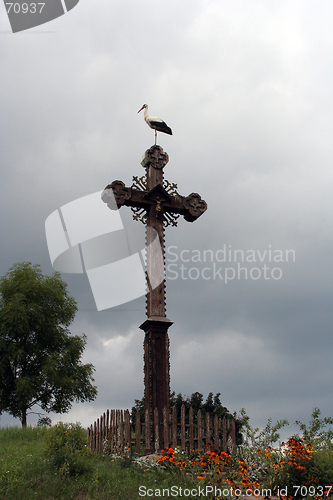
[139, 182]
[170, 188]
[139, 214]
[170, 219]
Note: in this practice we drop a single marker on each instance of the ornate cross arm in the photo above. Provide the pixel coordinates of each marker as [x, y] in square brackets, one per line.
[115, 195]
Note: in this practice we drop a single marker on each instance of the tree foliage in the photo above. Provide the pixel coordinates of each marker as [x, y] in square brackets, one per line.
[316, 433]
[212, 405]
[40, 362]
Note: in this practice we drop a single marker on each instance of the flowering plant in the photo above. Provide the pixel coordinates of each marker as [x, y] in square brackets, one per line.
[287, 465]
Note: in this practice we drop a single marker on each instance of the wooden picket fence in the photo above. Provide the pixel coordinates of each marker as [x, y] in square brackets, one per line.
[114, 432]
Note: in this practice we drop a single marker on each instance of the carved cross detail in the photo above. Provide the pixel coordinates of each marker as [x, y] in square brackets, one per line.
[157, 204]
[161, 194]
[160, 206]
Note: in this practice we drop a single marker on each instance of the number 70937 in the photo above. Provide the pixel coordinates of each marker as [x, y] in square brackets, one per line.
[321, 491]
[24, 8]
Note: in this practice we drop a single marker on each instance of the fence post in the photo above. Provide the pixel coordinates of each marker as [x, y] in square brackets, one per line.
[147, 432]
[174, 427]
[208, 433]
[166, 424]
[216, 433]
[190, 418]
[121, 432]
[225, 438]
[200, 446]
[182, 427]
[98, 440]
[117, 430]
[137, 432]
[107, 430]
[156, 431]
[94, 436]
[113, 431]
[233, 435]
[102, 432]
[88, 437]
[127, 427]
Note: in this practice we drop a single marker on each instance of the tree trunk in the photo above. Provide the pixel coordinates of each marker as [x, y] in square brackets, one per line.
[24, 418]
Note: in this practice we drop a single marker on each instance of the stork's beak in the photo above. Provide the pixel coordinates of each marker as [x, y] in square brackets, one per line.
[140, 109]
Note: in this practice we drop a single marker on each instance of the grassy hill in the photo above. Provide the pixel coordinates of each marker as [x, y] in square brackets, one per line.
[27, 472]
[56, 464]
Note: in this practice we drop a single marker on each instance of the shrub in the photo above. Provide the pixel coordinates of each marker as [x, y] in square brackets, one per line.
[296, 465]
[44, 422]
[322, 466]
[66, 446]
[318, 433]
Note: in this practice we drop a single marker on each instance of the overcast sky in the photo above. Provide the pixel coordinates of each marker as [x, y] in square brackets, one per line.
[247, 88]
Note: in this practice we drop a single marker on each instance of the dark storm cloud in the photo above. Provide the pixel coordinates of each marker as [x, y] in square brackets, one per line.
[247, 92]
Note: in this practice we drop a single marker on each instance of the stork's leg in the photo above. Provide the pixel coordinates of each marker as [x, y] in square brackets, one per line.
[155, 136]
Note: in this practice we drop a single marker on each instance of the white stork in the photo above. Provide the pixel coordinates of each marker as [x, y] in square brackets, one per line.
[156, 123]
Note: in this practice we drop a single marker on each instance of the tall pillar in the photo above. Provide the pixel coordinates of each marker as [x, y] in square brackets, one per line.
[156, 365]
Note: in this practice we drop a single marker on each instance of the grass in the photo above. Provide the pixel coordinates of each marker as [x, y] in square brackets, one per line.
[26, 473]
[55, 463]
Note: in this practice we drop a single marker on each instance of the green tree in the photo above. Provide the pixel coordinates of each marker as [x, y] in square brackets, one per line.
[209, 405]
[317, 433]
[40, 362]
[196, 401]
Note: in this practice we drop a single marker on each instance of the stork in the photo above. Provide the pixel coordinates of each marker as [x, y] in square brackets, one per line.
[156, 123]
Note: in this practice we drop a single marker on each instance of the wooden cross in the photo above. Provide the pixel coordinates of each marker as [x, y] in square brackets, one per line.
[157, 204]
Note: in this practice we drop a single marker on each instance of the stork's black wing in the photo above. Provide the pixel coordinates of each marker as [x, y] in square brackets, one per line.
[160, 126]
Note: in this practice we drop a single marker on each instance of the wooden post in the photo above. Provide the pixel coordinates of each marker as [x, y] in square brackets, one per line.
[216, 433]
[121, 432]
[147, 432]
[137, 432]
[182, 428]
[98, 437]
[113, 436]
[95, 437]
[233, 434]
[127, 427]
[200, 445]
[89, 436]
[108, 430]
[174, 427]
[157, 204]
[166, 426]
[156, 360]
[190, 418]
[225, 437]
[102, 432]
[156, 431]
[208, 433]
